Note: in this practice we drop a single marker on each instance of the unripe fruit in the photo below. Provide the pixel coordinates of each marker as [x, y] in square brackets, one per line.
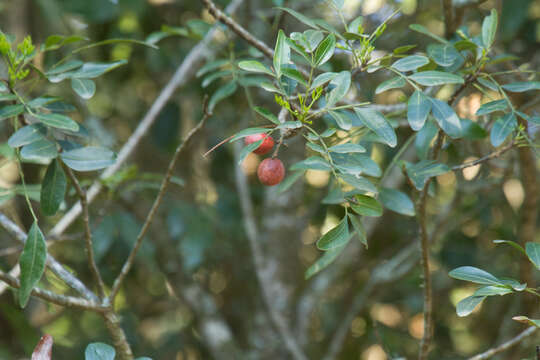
[271, 172]
[265, 147]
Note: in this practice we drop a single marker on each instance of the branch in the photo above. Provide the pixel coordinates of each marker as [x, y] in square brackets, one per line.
[87, 231]
[449, 26]
[180, 77]
[62, 300]
[59, 270]
[157, 202]
[252, 233]
[488, 157]
[507, 345]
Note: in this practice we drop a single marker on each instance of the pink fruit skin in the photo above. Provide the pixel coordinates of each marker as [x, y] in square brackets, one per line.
[265, 147]
[271, 172]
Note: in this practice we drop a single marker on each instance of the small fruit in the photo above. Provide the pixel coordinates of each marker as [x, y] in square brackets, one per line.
[271, 172]
[265, 147]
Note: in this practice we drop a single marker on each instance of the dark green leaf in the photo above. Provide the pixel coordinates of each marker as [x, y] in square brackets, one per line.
[467, 305]
[67, 66]
[513, 244]
[367, 206]
[325, 50]
[336, 237]
[446, 118]
[397, 201]
[359, 182]
[341, 84]
[99, 351]
[290, 125]
[410, 63]
[347, 148]
[246, 150]
[359, 228]
[32, 262]
[85, 88]
[282, 53]
[526, 320]
[403, 49]
[53, 188]
[533, 252]
[221, 93]
[266, 114]
[27, 134]
[300, 17]
[342, 119]
[323, 262]
[394, 83]
[489, 29]
[492, 290]
[421, 29]
[376, 122]
[522, 86]
[211, 66]
[443, 55]
[58, 121]
[289, 181]
[488, 83]
[424, 138]
[312, 163]
[475, 275]
[210, 78]
[88, 158]
[471, 130]
[492, 106]
[502, 128]
[7, 97]
[420, 172]
[433, 78]
[88, 70]
[418, 108]
[249, 131]
[323, 79]
[11, 111]
[255, 66]
[40, 151]
[294, 74]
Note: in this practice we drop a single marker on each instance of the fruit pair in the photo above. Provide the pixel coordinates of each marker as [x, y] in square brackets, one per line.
[270, 171]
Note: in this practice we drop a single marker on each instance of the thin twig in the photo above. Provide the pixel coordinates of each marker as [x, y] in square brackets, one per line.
[62, 300]
[57, 268]
[488, 157]
[157, 202]
[87, 231]
[180, 77]
[507, 345]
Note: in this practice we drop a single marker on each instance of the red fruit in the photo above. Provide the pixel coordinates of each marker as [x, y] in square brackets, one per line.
[271, 172]
[265, 147]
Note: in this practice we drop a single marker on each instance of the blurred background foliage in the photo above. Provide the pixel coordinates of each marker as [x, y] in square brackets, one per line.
[196, 264]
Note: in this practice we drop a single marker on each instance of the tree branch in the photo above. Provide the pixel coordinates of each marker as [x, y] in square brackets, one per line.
[59, 270]
[507, 345]
[62, 300]
[488, 157]
[157, 202]
[87, 231]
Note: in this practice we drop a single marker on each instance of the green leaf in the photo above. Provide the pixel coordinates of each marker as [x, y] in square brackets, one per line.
[323, 79]
[376, 122]
[40, 151]
[492, 290]
[467, 305]
[488, 84]
[11, 111]
[394, 83]
[323, 262]
[271, 88]
[67, 66]
[443, 55]
[53, 188]
[290, 125]
[266, 114]
[502, 128]
[420, 172]
[492, 106]
[341, 84]
[88, 70]
[54, 42]
[533, 252]
[433, 78]
[246, 150]
[336, 237]
[316, 147]
[289, 181]
[403, 49]
[325, 50]
[294, 74]
[410, 63]
[7, 97]
[475, 275]
[359, 228]
[300, 17]
[489, 29]
[58, 121]
[526, 320]
[32, 262]
[418, 108]
[211, 66]
[3, 87]
[513, 244]
[85, 88]
[421, 29]
[367, 206]
[446, 118]
[423, 139]
[522, 86]
[312, 163]
[359, 182]
[347, 148]
[249, 131]
[210, 78]
[282, 53]
[356, 164]
[27, 134]
[88, 158]
[255, 66]
[397, 201]
[222, 93]
[342, 119]
[99, 351]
